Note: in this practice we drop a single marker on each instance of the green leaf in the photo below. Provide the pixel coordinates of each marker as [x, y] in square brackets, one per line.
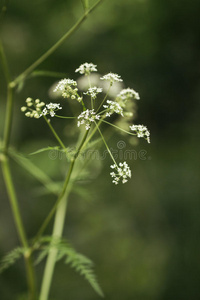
[79, 262]
[44, 149]
[34, 171]
[68, 152]
[10, 258]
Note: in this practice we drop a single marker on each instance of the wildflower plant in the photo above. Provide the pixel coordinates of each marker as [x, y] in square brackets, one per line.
[97, 107]
[93, 115]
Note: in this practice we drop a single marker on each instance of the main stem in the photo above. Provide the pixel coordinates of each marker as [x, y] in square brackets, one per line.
[20, 228]
[53, 210]
[57, 233]
[60, 206]
[9, 181]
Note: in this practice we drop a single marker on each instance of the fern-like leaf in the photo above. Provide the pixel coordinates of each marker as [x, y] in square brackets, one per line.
[10, 258]
[79, 262]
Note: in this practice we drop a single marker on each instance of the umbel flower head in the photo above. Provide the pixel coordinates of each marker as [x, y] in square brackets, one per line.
[50, 109]
[122, 172]
[141, 131]
[68, 89]
[113, 107]
[33, 108]
[93, 92]
[87, 117]
[125, 95]
[86, 68]
[112, 77]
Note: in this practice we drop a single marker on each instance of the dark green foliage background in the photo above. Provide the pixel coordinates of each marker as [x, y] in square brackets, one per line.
[143, 236]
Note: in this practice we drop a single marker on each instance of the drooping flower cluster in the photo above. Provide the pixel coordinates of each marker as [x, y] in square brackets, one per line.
[87, 117]
[93, 91]
[50, 109]
[141, 131]
[33, 108]
[113, 107]
[112, 77]
[125, 95]
[86, 68]
[68, 89]
[122, 172]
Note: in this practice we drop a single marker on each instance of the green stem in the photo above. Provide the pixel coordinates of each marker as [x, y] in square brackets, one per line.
[104, 99]
[92, 133]
[89, 82]
[62, 117]
[41, 73]
[57, 233]
[8, 120]
[60, 206]
[54, 133]
[22, 76]
[4, 63]
[119, 128]
[52, 212]
[20, 227]
[105, 143]
[9, 182]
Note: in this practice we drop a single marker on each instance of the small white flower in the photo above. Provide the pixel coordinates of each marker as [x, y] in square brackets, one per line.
[127, 94]
[93, 91]
[86, 68]
[68, 89]
[112, 77]
[86, 117]
[113, 107]
[141, 131]
[50, 109]
[64, 83]
[122, 172]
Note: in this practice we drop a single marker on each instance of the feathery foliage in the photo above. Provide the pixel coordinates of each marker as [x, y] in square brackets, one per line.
[79, 262]
[10, 258]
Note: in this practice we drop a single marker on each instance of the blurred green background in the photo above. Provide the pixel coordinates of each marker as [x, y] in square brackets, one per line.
[144, 236]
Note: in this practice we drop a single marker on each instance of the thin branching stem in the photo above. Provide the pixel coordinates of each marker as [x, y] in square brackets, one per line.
[105, 143]
[4, 63]
[51, 50]
[119, 128]
[104, 99]
[69, 173]
[54, 133]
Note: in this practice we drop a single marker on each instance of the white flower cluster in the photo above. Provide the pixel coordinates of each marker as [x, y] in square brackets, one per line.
[50, 109]
[121, 106]
[127, 94]
[112, 77]
[68, 89]
[141, 131]
[33, 108]
[86, 68]
[123, 172]
[86, 117]
[113, 107]
[93, 91]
